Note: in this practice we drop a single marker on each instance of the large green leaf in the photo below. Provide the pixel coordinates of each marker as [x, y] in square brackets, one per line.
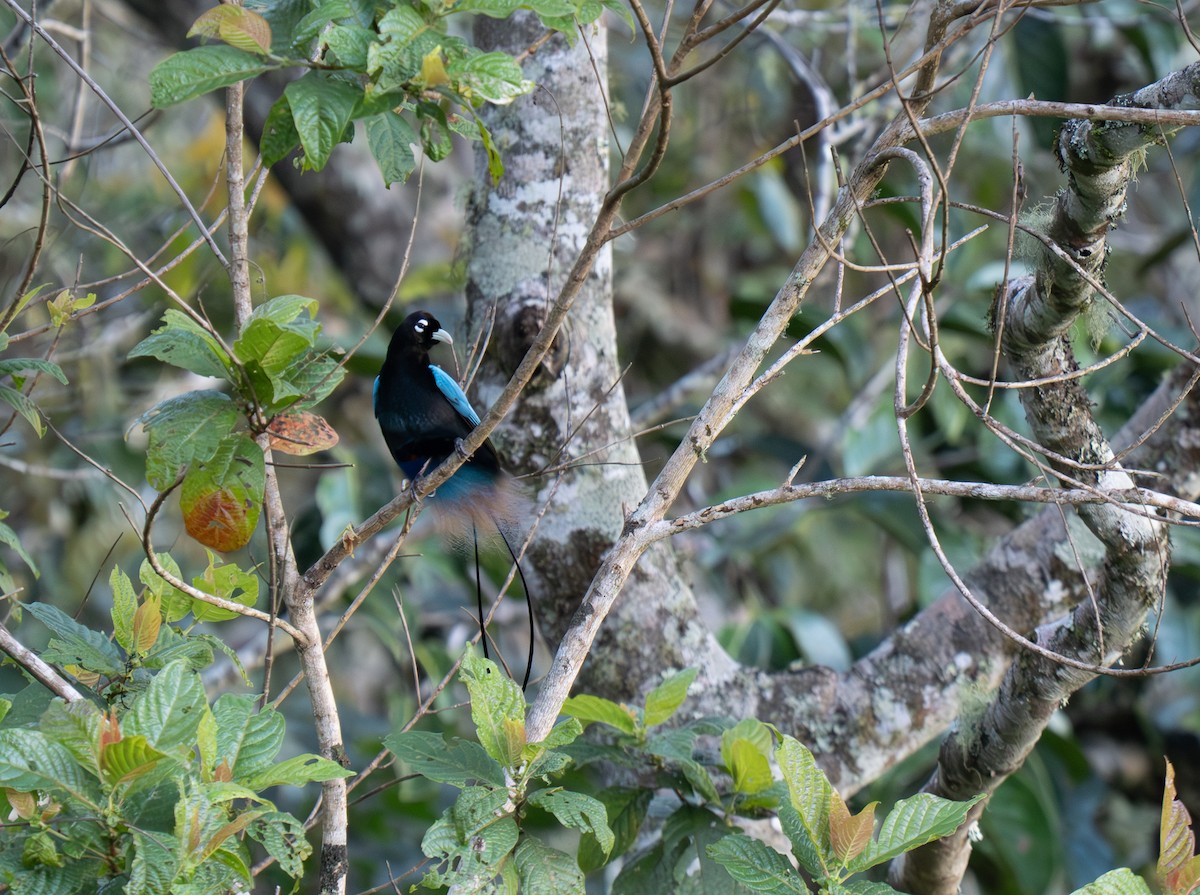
[588, 708]
[458, 762]
[912, 822]
[225, 580]
[76, 726]
[577, 811]
[625, 809]
[195, 72]
[497, 708]
[278, 332]
[279, 136]
[30, 761]
[222, 497]
[321, 109]
[494, 77]
[756, 865]
[297, 771]
[184, 343]
[75, 644]
[248, 739]
[186, 428]
[168, 712]
[811, 795]
[547, 871]
[391, 138]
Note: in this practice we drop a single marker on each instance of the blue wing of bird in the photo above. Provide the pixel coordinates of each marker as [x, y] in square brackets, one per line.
[455, 395]
[375, 397]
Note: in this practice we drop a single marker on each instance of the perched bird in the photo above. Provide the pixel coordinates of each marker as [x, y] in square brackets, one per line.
[424, 415]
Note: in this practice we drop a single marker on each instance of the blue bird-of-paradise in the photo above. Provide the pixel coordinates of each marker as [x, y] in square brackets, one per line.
[424, 415]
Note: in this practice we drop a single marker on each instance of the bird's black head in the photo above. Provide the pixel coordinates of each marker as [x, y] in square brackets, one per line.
[417, 334]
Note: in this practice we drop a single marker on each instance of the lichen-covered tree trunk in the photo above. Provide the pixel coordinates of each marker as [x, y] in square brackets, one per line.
[570, 433]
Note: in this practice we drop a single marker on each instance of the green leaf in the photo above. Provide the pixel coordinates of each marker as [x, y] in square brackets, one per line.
[577, 811]
[493, 77]
[124, 607]
[547, 871]
[565, 732]
[663, 701]
[349, 45]
[625, 808]
[76, 726]
[174, 602]
[224, 580]
[168, 712]
[154, 863]
[279, 136]
[811, 797]
[25, 407]
[749, 767]
[868, 887]
[321, 109]
[460, 763]
[1121, 881]
[30, 761]
[297, 771]
[497, 708]
[588, 708]
[278, 332]
[32, 364]
[405, 39]
[494, 160]
[756, 865]
[502, 9]
[312, 378]
[911, 823]
[391, 139]
[435, 133]
[247, 739]
[194, 72]
[475, 836]
[9, 538]
[283, 837]
[74, 644]
[221, 500]
[184, 343]
[184, 429]
[745, 750]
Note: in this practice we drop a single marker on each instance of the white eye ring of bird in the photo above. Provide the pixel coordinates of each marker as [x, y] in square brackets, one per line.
[420, 325]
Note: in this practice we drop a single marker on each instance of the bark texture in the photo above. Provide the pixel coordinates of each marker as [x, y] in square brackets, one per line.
[570, 433]
[1130, 577]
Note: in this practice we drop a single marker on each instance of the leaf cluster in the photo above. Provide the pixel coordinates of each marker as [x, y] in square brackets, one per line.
[142, 784]
[478, 844]
[396, 67]
[204, 439]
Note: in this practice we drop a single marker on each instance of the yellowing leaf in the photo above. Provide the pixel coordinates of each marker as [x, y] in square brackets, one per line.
[146, 622]
[433, 69]
[237, 26]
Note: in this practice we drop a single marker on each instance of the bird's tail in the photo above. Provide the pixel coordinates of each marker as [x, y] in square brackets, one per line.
[485, 508]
